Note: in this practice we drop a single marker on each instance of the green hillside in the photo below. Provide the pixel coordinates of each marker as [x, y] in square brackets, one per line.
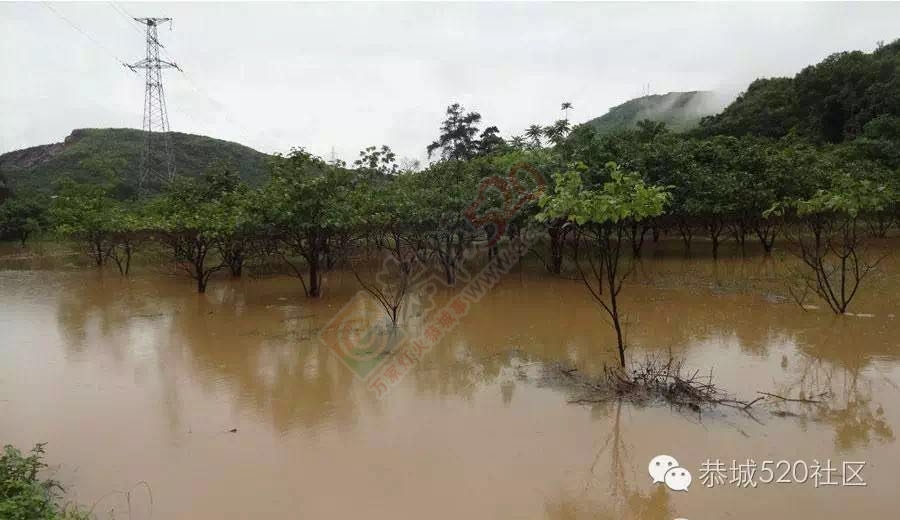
[37, 168]
[4, 189]
[679, 110]
[831, 101]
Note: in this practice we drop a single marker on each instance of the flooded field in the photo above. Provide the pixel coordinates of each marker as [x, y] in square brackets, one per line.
[141, 380]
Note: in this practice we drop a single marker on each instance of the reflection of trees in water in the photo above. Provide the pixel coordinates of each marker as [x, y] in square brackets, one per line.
[118, 307]
[265, 361]
[276, 369]
[858, 424]
[247, 338]
[454, 368]
[849, 409]
[622, 501]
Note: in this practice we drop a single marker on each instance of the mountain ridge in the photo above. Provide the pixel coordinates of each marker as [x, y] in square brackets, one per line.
[681, 111]
[36, 168]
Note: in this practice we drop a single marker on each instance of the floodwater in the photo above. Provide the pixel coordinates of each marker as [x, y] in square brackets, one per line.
[136, 383]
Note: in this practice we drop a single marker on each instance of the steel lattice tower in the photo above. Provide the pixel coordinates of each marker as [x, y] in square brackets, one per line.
[157, 163]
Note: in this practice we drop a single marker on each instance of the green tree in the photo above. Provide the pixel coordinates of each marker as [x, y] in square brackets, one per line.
[195, 217]
[458, 138]
[557, 131]
[396, 224]
[308, 206]
[490, 141]
[602, 214]
[828, 243]
[88, 213]
[535, 132]
[241, 239]
[565, 107]
[22, 216]
[375, 161]
[831, 101]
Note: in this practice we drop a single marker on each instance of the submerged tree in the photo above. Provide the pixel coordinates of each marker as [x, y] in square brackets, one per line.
[829, 241]
[22, 216]
[395, 213]
[194, 217]
[602, 215]
[307, 208]
[88, 213]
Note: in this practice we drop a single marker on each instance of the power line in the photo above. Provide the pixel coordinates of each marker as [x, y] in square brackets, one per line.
[194, 86]
[131, 21]
[85, 34]
[219, 107]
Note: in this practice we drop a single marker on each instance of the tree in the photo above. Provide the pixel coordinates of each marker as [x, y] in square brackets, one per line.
[240, 239]
[535, 132]
[395, 213]
[518, 142]
[601, 215]
[831, 101]
[446, 190]
[458, 135]
[87, 212]
[490, 141]
[557, 131]
[828, 242]
[377, 161]
[307, 207]
[565, 107]
[195, 217]
[22, 216]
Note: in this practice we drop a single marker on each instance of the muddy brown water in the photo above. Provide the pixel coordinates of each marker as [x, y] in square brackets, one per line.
[139, 380]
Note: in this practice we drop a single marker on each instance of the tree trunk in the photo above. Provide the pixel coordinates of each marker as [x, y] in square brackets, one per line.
[314, 274]
[236, 265]
[637, 238]
[556, 249]
[715, 227]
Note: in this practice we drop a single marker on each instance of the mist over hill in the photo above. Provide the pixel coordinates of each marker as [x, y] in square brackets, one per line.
[680, 111]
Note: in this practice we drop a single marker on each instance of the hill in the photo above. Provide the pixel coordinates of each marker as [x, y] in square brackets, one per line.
[831, 101]
[4, 190]
[679, 110]
[37, 168]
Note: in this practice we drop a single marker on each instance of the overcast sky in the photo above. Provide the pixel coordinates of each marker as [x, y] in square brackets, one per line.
[346, 76]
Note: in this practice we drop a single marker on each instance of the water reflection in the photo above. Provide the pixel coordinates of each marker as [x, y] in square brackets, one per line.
[253, 341]
[151, 363]
[613, 467]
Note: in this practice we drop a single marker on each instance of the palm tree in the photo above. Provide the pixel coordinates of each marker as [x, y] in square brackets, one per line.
[535, 132]
[557, 131]
[517, 141]
[566, 105]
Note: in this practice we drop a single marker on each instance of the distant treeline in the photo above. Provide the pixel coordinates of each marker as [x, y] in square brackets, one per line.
[821, 147]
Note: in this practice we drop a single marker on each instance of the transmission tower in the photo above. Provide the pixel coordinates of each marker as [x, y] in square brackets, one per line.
[157, 163]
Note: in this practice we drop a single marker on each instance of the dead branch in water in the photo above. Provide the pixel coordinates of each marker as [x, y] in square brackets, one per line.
[790, 400]
[659, 377]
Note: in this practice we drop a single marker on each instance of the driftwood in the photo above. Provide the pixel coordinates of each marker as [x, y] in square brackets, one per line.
[659, 378]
